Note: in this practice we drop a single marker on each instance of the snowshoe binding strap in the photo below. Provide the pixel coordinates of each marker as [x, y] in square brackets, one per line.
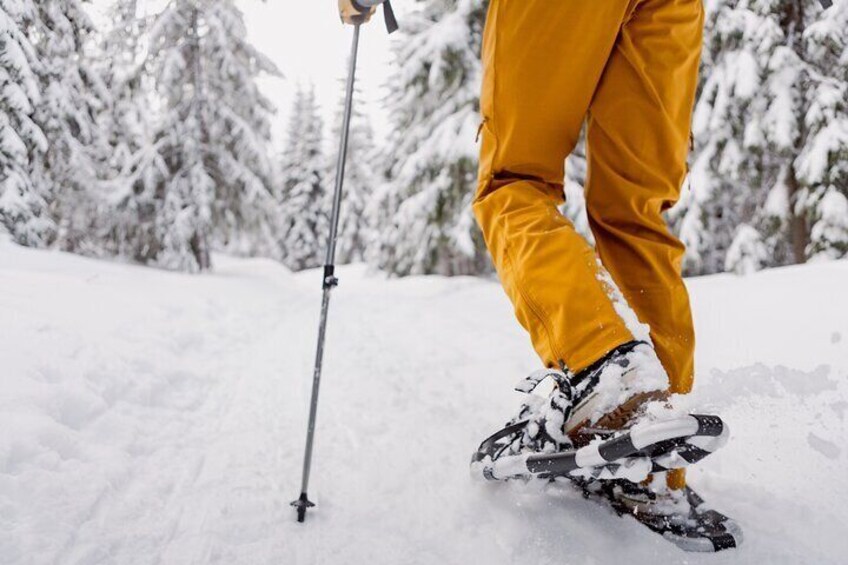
[529, 383]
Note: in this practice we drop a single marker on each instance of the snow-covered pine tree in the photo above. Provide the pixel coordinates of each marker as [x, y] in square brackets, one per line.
[127, 224]
[304, 193]
[822, 166]
[770, 132]
[732, 160]
[125, 121]
[212, 137]
[360, 178]
[422, 212]
[184, 187]
[72, 94]
[23, 208]
[239, 118]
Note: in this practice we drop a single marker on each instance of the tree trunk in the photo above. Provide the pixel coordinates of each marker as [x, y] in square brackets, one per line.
[793, 26]
[200, 240]
[200, 250]
[798, 232]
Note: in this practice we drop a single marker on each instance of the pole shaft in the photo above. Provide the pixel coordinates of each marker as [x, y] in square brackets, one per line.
[342, 156]
[330, 259]
[316, 384]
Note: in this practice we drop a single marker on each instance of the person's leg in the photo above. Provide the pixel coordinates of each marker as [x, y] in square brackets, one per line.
[638, 140]
[542, 60]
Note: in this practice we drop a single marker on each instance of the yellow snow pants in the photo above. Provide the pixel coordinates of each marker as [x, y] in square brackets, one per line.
[629, 69]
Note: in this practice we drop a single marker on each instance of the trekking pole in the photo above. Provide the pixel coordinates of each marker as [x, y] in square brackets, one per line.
[330, 280]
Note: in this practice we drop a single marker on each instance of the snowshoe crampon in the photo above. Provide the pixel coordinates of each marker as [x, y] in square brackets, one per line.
[631, 454]
[681, 517]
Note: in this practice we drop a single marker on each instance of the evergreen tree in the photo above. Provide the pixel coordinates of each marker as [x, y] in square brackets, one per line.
[211, 173]
[822, 166]
[423, 209]
[127, 220]
[360, 177]
[125, 121]
[183, 185]
[304, 194]
[23, 208]
[770, 128]
[240, 127]
[72, 94]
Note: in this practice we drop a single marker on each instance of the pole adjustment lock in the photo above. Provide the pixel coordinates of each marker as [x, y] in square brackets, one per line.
[330, 279]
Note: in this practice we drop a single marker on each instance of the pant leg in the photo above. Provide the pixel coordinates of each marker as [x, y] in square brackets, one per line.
[638, 140]
[542, 60]
[637, 145]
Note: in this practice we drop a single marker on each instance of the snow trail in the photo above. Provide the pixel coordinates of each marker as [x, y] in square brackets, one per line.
[152, 417]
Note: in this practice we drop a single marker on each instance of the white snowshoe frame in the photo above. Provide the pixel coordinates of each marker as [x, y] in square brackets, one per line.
[648, 447]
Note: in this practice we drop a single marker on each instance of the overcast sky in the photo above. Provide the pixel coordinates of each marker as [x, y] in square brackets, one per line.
[309, 45]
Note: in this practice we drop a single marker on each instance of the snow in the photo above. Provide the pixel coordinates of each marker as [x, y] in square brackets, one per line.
[814, 163]
[639, 330]
[777, 203]
[747, 75]
[156, 417]
[832, 225]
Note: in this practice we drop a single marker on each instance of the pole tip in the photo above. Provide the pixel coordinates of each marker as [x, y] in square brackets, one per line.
[302, 503]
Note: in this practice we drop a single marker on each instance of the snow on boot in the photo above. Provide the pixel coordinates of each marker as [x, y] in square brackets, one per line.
[680, 516]
[611, 394]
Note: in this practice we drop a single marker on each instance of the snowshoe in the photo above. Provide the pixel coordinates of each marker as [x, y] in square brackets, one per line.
[539, 441]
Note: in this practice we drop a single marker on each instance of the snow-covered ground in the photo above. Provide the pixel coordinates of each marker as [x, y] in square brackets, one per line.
[152, 417]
